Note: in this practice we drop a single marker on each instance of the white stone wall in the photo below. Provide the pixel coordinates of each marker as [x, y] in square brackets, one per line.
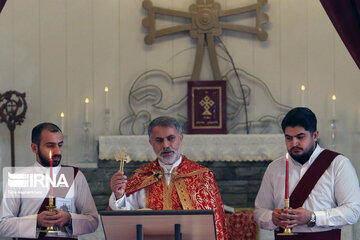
[61, 51]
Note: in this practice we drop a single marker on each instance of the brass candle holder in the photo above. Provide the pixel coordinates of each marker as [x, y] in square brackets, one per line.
[50, 208]
[287, 231]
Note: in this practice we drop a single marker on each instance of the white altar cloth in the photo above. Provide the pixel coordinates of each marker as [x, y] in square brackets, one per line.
[216, 147]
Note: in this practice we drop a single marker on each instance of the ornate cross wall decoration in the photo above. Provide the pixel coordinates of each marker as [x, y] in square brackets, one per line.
[205, 25]
[12, 112]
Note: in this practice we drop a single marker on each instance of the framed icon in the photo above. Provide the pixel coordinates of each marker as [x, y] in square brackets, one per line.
[207, 107]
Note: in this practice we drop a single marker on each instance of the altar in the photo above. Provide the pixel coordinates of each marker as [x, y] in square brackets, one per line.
[200, 148]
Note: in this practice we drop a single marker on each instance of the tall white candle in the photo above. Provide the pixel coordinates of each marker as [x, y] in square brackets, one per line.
[62, 115]
[333, 98]
[86, 109]
[106, 98]
[303, 95]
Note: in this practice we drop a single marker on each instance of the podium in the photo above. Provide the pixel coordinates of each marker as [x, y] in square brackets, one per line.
[159, 224]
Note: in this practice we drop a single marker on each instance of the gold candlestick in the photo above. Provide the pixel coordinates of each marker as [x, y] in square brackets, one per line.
[287, 231]
[123, 157]
[50, 208]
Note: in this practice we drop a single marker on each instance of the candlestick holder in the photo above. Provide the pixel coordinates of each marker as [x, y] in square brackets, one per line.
[107, 119]
[50, 208]
[287, 231]
[87, 127]
[333, 133]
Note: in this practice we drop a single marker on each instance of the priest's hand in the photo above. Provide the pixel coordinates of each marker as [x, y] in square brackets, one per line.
[46, 219]
[280, 218]
[63, 217]
[300, 216]
[118, 184]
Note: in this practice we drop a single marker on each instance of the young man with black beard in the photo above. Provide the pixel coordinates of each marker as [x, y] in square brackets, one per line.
[323, 185]
[24, 217]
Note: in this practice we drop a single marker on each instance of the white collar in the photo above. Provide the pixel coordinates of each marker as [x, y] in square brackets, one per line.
[315, 154]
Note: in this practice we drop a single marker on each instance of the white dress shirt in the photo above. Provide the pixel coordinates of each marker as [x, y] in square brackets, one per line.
[18, 216]
[136, 200]
[335, 199]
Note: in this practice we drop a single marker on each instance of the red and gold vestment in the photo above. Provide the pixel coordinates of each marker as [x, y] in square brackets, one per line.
[192, 186]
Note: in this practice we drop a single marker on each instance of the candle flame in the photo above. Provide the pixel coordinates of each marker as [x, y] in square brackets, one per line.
[50, 154]
[62, 114]
[333, 97]
[287, 156]
[106, 89]
[86, 100]
[302, 87]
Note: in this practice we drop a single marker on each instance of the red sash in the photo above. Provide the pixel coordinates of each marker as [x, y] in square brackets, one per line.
[59, 192]
[311, 177]
[302, 191]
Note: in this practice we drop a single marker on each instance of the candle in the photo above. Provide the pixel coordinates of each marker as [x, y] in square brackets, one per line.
[302, 95]
[86, 109]
[333, 98]
[287, 176]
[62, 115]
[106, 98]
[51, 175]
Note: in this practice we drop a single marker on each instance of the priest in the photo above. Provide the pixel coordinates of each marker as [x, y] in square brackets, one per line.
[171, 182]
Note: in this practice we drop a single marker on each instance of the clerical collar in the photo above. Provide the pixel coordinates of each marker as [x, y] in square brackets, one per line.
[169, 168]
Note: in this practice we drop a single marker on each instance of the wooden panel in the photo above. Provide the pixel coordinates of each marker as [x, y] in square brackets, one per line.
[80, 59]
[294, 54]
[240, 45]
[267, 67]
[53, 59]
[60, 52]
[6, 43]
[53, 64]
[132, 50]
[162, 51]
[184, 47]
[6, 76]
[106, 63]
[184, 51]
[26, 73]
[347, 86]
[321, 65]
[267, 61]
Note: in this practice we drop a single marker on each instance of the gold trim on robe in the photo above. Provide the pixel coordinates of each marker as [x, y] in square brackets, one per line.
[192, 186]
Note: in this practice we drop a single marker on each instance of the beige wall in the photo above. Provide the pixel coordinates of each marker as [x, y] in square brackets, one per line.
[61, 51]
